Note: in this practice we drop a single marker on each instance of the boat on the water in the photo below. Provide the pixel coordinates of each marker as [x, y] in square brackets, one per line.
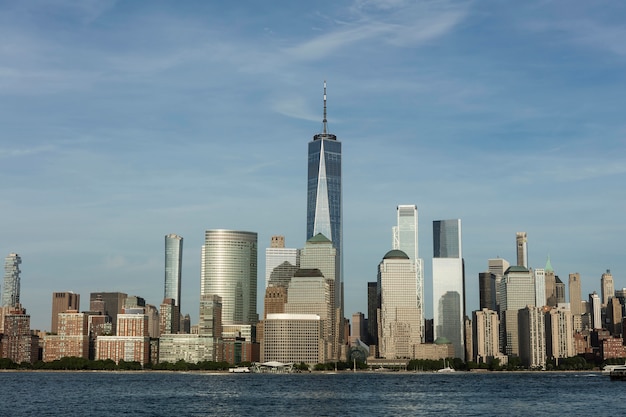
[239, 370]
[618, 373]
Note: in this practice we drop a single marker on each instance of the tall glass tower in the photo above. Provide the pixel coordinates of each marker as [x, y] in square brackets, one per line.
[229, 269]
[449, 284]
[324, 210]
[173, 266]
[11, 288]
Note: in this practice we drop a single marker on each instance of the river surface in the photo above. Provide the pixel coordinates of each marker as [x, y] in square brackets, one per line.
[316, 394]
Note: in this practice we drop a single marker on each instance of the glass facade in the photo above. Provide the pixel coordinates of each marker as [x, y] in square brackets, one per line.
[11, 288]
[173, 267]
[449, 284]
[229, 269]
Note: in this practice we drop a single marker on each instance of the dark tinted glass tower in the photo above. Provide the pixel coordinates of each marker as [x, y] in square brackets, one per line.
[324, 211]
[173, 267]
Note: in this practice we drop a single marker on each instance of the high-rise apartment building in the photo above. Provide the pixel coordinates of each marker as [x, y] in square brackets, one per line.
[324, 194]
[400, 327]
[210, 321]
[532, 337]
[72, 338]
[173, 267]
[18, 344]
[280, 262]
[485, 335]
[540, 287]
[575, 295]
[11, 287]
[521, 241]
[169, 318]
[229, 269]
[559, 333]
[608, 287]
[62, 302]
[449, 284]
[405, 238]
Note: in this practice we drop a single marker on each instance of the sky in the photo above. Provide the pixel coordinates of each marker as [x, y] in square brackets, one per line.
[122, 122]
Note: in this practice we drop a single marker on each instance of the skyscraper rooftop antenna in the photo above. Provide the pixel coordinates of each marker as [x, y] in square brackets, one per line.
[325, 122]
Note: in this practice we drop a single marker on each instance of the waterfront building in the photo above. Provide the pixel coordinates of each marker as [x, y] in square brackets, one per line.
[559, 333]
[293, 338]
[229, 269]
[521, 241]
[517, 290]
[280, 262]
[532, 337]
[486, 336]
[324, 201]
[449, 283]
[131, 342]
[71, 338]
[18, 343]
[400, 320]
[192, 348]
[109, 304]
[608, 287]
[595, 308]
[62, 302]
[11, 287]
[173, 268]
[405, 238]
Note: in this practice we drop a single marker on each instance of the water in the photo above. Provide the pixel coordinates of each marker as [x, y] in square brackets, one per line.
[345, 394]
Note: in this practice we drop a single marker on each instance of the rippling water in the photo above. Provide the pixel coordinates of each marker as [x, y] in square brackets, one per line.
[345, 394]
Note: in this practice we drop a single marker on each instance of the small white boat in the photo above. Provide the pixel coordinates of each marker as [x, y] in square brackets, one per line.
[239, 370]
[446, 369]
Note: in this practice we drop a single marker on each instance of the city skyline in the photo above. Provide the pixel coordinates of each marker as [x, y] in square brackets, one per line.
[138, 120]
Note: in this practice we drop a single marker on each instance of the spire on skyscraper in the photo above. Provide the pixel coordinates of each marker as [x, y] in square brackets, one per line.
[325, 122]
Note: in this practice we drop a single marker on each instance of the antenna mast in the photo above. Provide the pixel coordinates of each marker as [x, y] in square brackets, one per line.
[325, 130]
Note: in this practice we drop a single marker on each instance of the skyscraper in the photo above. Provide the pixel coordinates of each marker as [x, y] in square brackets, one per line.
[173, 267]
[11, 287]
[324, 201]
[522, 249]
[517, 290]
[280, 262]
[400, 320]
[405, 238]
[229, 269]
[449, 284]
[596, 311]
[576, 301]
[608, 287]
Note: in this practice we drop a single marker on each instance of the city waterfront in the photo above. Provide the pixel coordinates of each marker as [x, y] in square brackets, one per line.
[316, 394]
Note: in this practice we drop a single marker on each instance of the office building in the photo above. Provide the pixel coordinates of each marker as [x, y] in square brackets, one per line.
[559, 333]
[532, 337]
[595, 308]
[229, 269]
[324, 196]
[540, 287]
[280, 262]
[373, 304]
[449, 284]
[210, 318]
[358, 330]
[517, 290]
[551, 290]
[400, 320]
[487, 290]
[11, 287]
[405, 238]
[109, 304]
[608, 287]
[192, 348]
[575, 295]
[498, 267]
[293, 338]
[521, 241]
[173, 267]
[62, 302]
[614, 316]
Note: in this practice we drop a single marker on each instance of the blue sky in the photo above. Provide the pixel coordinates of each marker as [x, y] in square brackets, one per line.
[125, 121]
